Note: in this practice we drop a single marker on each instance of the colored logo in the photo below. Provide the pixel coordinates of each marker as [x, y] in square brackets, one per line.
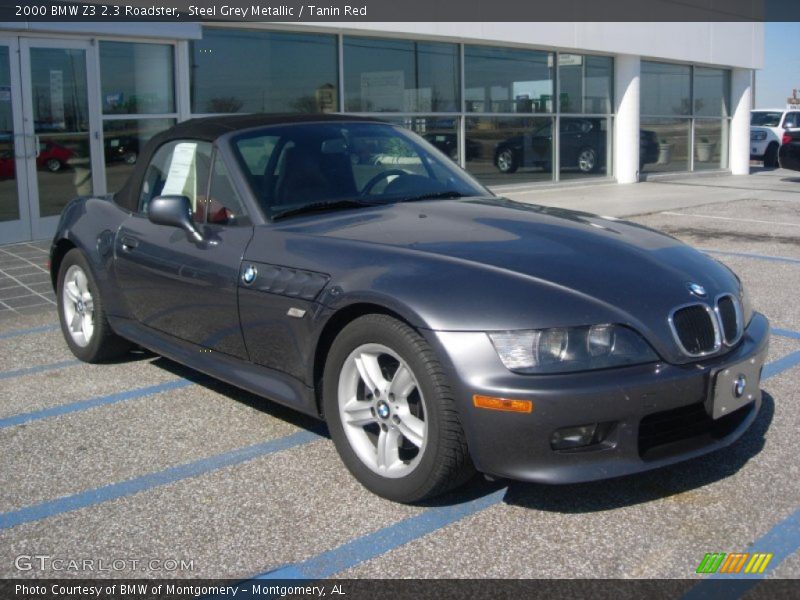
[696, 289]
[742, 562]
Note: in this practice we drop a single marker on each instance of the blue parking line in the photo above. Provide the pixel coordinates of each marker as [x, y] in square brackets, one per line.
[781, 365]
[37, 369]
[783, 540]
[785, 259]
[383, 540]
[152, 480]
[56, 411]
[786, 333]
[19, 332]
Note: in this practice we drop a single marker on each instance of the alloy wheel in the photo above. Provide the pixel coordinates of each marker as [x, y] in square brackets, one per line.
[382, 410]
[78, 305]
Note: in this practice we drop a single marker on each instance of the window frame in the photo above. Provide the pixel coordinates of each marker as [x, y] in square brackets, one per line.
[144, 212]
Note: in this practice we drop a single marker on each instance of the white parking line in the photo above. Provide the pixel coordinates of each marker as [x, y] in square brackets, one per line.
[677, 214]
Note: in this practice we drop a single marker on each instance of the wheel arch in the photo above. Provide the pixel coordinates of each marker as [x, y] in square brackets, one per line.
[57, 254]
[333, 326]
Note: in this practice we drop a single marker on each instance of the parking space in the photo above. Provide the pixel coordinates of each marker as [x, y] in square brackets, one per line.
[146, 459]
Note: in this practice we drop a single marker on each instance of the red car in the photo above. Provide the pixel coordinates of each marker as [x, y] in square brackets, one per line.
[52, 157]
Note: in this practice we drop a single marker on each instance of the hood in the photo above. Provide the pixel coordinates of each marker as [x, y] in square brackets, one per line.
[619, 264]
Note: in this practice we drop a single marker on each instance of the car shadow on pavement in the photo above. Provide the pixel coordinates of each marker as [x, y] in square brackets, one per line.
[573, 498]
[653, 485]
[264, 405]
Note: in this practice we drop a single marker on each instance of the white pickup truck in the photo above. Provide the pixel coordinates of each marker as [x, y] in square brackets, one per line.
[766, 130]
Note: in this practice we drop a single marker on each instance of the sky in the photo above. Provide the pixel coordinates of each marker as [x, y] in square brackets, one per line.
[781, 72]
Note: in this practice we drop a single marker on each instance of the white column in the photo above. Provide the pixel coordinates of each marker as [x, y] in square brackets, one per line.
[627, 70]
[741, 103]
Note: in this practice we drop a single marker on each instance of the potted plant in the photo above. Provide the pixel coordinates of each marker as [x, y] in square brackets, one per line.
[664, 152]
[704, 149]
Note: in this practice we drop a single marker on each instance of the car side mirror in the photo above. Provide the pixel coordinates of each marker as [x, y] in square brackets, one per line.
[173, 211]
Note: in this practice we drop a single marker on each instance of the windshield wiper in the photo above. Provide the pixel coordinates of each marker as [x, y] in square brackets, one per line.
[321, 206]
[434, 196]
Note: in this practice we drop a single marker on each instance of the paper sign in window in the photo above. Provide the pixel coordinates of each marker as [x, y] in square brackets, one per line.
[181, 180]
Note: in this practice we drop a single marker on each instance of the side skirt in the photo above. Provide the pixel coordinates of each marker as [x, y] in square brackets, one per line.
[268, 383]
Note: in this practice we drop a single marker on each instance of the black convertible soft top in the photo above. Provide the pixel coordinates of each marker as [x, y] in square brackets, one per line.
[209, 129]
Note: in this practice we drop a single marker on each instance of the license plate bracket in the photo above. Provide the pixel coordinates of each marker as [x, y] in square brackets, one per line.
[734, 386]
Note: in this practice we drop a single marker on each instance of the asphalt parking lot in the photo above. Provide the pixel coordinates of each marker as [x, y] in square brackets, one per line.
[145, 459]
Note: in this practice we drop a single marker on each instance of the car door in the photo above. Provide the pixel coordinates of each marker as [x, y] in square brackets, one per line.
[171, 282]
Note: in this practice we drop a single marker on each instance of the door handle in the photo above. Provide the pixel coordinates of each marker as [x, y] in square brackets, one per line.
[129, 243]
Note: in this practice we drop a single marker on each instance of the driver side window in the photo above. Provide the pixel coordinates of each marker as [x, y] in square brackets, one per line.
[179, 168]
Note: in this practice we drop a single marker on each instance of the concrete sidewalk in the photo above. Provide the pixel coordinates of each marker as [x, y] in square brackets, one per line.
[614, 200]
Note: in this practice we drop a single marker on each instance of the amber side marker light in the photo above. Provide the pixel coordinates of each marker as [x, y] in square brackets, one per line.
[522, 406]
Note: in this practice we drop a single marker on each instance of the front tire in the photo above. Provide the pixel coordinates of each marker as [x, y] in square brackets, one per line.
[587, 160]
[53, 165]
[506, 161]
[391, 412]
[82, 313]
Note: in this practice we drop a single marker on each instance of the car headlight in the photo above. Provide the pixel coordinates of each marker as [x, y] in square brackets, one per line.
[758, 136]
[569, 349]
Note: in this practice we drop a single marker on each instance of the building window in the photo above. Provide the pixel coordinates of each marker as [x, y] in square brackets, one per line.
[138, 101]
[509, 149]
[123, 140]
[508, 80]
[137, 78]
[585, 83]
[712, 92]
[699, 140]
[382, 75]
[237, 70]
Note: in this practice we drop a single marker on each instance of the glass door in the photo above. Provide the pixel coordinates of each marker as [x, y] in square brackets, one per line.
[14, 212]
[60, 126]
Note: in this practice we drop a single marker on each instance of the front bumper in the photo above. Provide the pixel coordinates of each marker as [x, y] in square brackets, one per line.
[758, 148]
[653, 415]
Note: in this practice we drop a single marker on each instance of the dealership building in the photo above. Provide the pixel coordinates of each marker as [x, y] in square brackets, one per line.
[516, 104]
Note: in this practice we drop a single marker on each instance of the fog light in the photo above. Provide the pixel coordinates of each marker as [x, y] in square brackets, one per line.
[573, 437]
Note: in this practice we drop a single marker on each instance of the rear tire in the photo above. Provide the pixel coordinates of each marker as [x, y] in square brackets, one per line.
[405, 442]
[82, 313]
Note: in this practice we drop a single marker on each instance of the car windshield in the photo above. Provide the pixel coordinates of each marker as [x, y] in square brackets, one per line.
[308, 167]
[765, 119]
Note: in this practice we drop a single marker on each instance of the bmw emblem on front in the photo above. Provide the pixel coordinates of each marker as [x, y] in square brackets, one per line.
[739, 386]
[249, 274]
[696, 289]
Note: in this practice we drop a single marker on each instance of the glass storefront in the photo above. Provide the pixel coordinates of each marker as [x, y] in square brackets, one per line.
[507, 80]
[9, 204]
[697, 141]
[508, 115]
[440, 131]
[672, 149]
[383, 75]
[248, 71]
[503, 150]
[585, 83]
[137, 80]
[122, 142]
